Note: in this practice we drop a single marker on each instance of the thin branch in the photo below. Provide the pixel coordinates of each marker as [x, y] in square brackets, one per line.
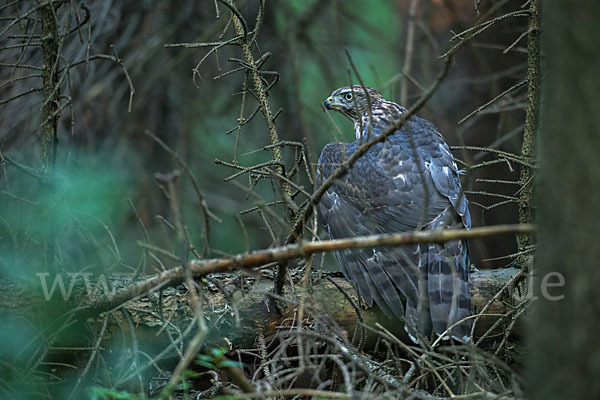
[295, 392]
[477, 29]
[492, 101]
[203, 205]
[408, 50]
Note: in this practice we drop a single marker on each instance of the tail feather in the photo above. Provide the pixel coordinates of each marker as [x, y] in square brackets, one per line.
[353, 271]
[384, 286]
[448, 289]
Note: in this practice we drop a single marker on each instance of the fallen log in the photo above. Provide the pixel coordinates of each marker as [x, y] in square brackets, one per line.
[152, 331]
[238, 308]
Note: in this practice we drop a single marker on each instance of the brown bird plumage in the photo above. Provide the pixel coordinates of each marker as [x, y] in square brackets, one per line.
[408, 182]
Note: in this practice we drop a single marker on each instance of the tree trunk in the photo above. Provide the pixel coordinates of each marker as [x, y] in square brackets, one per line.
[564, 338]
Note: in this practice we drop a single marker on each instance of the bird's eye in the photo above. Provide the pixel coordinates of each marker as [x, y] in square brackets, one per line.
[348, 96]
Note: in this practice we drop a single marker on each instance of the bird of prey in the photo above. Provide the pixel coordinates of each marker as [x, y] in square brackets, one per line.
[408, 182]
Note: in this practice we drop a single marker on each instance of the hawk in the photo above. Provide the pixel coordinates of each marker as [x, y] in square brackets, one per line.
[408, 182]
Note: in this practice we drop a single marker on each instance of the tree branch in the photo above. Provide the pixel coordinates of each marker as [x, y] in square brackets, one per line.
[50, 86]
[200, 268]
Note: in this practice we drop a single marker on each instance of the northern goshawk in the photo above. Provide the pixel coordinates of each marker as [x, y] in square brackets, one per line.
[408, 182]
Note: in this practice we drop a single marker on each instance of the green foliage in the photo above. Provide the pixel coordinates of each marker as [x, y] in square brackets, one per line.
[67, 217]
[99, 393]
[215, 360]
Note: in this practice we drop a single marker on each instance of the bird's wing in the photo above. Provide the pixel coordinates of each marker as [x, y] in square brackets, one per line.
[382, 193]
[442, 166]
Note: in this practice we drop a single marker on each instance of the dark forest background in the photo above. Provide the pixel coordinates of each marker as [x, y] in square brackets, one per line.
[134, 139]
[109, 161]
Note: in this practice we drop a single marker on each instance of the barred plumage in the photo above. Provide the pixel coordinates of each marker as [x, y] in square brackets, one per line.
[408, 182]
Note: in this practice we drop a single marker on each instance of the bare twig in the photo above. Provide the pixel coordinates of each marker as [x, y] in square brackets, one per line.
[408, 49]
[203, 205]
[492, 101]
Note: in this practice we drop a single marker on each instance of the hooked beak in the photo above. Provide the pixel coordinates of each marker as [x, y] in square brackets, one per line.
[328, 104]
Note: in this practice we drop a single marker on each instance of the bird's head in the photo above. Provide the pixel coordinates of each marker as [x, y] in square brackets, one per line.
[352, 101]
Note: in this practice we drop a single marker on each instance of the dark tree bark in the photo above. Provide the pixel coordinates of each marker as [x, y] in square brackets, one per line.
[564, 360]
[524, 240]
